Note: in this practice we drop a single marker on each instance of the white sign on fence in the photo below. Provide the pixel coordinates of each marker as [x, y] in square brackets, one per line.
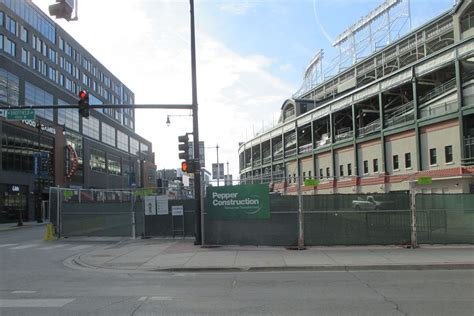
[162, 205]
[177, 210]
[150, 205]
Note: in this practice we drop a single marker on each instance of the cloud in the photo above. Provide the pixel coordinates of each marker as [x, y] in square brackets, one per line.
[237, 8]
[146, 45]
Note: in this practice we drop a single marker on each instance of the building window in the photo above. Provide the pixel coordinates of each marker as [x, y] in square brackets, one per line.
[433, 158]
[25, 56]
[24, 34]
[35, 96]
[90, 127]
[144, 148]
[328, 173]
[122, 141]
[349, 169]
[134, 146]
[113, 166]
[407, 160]
[309, 174]
[395, 162]
[376, 165]
[52, 74]
[9, 46]
[448, 154]
[68, 117]
[108, 134]
[366, 166]
[11, 25]
[9, 88]
[61, 43]
[97, 161]
[321, 175]
[341, 171]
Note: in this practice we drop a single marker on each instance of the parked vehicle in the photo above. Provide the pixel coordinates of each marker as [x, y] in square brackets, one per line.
[371, 203]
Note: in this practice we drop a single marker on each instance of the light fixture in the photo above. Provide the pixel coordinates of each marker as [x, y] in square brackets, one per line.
[168, 122]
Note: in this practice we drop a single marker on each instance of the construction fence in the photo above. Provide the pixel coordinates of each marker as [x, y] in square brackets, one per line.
[333, 219]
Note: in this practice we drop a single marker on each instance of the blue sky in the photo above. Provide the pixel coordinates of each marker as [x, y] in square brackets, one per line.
[251, 56]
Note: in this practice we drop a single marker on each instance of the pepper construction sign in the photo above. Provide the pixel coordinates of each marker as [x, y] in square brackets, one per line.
[238, 202]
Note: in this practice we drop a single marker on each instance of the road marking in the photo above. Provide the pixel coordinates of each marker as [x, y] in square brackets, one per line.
[23, 292]
[24, 247]
[160, 298]
[79, 247]
[7, 245]
[51, 247]
[47, 302]
[143, 298]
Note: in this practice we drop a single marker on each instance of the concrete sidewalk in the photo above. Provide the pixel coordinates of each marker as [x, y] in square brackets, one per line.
[182, 255]
[14, 226]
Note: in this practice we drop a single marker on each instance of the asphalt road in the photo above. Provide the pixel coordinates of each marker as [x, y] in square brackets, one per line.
[35, 281]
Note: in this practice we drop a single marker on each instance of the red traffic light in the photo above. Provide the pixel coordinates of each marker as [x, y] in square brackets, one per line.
[184, 166]
[83, 94]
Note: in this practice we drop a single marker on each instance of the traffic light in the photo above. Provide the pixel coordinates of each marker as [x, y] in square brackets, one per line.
[184, 147]
[83, 104]
[187, 165]
[62, 9]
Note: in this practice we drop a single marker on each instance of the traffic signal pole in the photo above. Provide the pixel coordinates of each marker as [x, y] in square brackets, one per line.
[197, 171]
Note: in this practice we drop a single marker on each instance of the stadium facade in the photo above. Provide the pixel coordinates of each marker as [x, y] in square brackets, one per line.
[41, 64]
[404, 112]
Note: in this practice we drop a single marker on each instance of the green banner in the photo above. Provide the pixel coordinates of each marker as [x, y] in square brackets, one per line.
[311, 183]
[143, 192]
[424, 180]
[238, 202]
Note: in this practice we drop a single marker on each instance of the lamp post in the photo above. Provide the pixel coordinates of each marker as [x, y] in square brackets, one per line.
[197, 169]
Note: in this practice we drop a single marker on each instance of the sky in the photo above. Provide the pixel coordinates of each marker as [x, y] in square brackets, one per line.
[251, 57]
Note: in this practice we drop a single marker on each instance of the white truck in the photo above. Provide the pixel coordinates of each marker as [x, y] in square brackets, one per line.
[371, 203]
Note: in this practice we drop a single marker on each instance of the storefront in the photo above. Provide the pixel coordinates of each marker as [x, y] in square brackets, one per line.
[13, 202]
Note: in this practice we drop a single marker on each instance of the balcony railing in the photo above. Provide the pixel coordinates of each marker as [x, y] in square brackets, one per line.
[370, 128]
[323, 141]
[290, 152]
[305, 148]
[439, 90]
[267, 160]
[278, 156]
[344, 133]
[257, 162]
[439, 109]
[401, 114]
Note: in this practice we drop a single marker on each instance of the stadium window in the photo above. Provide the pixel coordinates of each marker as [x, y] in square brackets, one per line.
[433, 156]
[376, 165]
[448, 154]
[407, 160]
[341, 170]
[395, 162]
[349, 169]
[366, 166]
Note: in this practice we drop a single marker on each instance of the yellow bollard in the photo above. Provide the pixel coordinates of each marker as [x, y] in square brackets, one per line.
[49, 232]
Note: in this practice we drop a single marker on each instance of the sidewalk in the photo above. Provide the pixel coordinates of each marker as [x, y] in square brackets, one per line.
[13, 226]
[182, 255]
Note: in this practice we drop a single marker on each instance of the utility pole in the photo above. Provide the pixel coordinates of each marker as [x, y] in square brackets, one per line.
[197, 169]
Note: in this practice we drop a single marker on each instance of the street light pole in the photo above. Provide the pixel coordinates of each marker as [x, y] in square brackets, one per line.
[38, 176]
[197, 160]
[218, 171]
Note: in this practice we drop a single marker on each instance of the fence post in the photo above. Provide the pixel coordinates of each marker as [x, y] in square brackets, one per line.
[132, 203]
[202, 210]
[58, 212]
[414, 241]
[300, 214]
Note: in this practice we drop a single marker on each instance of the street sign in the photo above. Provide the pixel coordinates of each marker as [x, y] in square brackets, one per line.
[18, 115]
[311, 183]
[177, 210]
[424, 180]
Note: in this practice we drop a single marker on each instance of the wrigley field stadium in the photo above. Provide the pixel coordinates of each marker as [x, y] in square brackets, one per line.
[40, 64]
[386, 116]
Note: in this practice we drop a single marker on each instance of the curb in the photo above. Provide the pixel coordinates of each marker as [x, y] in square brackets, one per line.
[336, 268]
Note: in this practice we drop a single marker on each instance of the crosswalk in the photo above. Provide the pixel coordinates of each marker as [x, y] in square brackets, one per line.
[44, 247]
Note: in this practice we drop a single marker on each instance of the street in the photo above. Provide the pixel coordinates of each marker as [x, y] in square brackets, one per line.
[35, 281]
